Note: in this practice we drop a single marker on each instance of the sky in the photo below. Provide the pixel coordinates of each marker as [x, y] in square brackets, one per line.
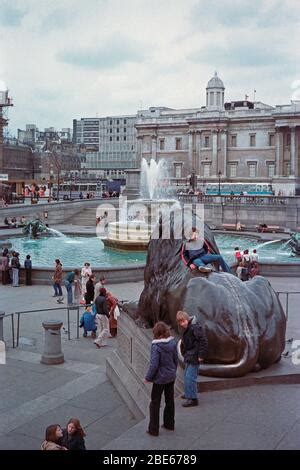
[66, 59]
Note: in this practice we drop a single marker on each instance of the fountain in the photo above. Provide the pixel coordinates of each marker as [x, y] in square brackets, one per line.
[138, 217]
[294, 243]
[36, 227]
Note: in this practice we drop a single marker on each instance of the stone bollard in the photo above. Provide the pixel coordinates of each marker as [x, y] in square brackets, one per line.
[52, 348]
[2, 314]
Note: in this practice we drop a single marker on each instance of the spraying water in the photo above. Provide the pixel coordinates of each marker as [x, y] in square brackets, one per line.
[154, 179]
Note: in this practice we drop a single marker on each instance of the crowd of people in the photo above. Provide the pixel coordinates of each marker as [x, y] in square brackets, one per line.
[101, 307]
[247, 263]
[12, 222]
[10, 267]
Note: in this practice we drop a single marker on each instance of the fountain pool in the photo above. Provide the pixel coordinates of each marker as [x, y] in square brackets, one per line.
[75, 250]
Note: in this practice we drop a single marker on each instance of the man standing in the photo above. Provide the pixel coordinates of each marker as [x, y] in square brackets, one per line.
[69, 281]
[194, 349]
[102, 318]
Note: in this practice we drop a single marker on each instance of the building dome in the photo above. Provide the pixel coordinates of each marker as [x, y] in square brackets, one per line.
[215, 82]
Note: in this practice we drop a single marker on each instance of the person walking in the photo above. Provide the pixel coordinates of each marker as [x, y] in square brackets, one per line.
[194, 349]
[57, 277]
[28, 270]
[102, 318]
[162, 373]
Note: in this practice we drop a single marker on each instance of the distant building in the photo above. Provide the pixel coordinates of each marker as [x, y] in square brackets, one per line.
[229, 141]
[110, 144]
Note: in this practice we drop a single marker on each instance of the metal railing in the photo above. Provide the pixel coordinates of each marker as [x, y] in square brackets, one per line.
[68, 309]
[234, 199]
[287, 298]
[76, 308]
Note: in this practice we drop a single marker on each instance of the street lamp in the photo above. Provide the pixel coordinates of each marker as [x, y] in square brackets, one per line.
[219, 176]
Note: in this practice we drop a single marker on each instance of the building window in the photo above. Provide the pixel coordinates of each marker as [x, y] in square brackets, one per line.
[233, 141]
[124, 129]
[118, 138]
[232, 170]
[125, 121]
[218, 98]
[211, 98]
[110, 139]
[288, 139]
[288, 169]
[271, 140]
[271, 170]
[178, 168]
[206, 141]
[117, 130]
[252, 140]
[162, 144]
[206, 170]
[124, 138]
[110, 130]
[178, 144]
[110, 122]
[252, 170]
[117, 121]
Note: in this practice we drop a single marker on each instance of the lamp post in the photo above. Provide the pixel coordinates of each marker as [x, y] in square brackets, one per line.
[219, 176]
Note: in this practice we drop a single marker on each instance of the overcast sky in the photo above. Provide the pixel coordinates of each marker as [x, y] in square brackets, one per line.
[66, 59]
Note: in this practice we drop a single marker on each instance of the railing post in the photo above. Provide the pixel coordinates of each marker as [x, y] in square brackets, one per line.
[2, 315]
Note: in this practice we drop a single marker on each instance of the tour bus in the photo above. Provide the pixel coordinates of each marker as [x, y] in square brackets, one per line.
[252, 189]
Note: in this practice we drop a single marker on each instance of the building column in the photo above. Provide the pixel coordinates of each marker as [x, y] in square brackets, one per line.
[224, 152]
[153, 146]
[139, 149]
[279, 153]
[190, 153]
[293, 151]
[214, 157]
[198, 152]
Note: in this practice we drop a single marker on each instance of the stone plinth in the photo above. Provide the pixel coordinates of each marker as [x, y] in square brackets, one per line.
[52, 347]
[132, 189]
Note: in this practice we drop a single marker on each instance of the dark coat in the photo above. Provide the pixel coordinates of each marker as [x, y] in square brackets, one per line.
[163, 361]
[90, 291]
[72, 441]
[194, 343]
[101, 305]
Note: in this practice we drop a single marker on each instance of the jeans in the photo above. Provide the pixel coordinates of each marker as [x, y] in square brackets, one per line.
[210, 258]
[169, 411]
[57, 289]
[68, 286]
[190, 381]
[15, 273]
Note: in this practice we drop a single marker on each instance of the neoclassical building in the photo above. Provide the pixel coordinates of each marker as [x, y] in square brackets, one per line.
[237, 141]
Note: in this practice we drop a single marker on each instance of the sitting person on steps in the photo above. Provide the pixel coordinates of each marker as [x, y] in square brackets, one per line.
[198, 254]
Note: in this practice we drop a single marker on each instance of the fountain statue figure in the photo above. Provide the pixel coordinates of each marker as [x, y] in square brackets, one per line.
[294, 243]
[35, 227]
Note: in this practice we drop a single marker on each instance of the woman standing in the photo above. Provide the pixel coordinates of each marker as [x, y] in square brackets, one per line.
[53, 436]
[86, 272]
[4, 263]
[112, 302]
[73, 435]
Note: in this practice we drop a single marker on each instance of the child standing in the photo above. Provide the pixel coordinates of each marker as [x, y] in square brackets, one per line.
[162, 372]
[194, 351]
[28, 269]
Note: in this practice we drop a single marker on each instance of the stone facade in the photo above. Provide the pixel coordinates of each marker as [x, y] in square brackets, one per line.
[238, 141]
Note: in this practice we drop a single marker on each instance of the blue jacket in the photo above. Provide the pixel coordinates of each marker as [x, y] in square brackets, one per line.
[163, 361]
[87, 321]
